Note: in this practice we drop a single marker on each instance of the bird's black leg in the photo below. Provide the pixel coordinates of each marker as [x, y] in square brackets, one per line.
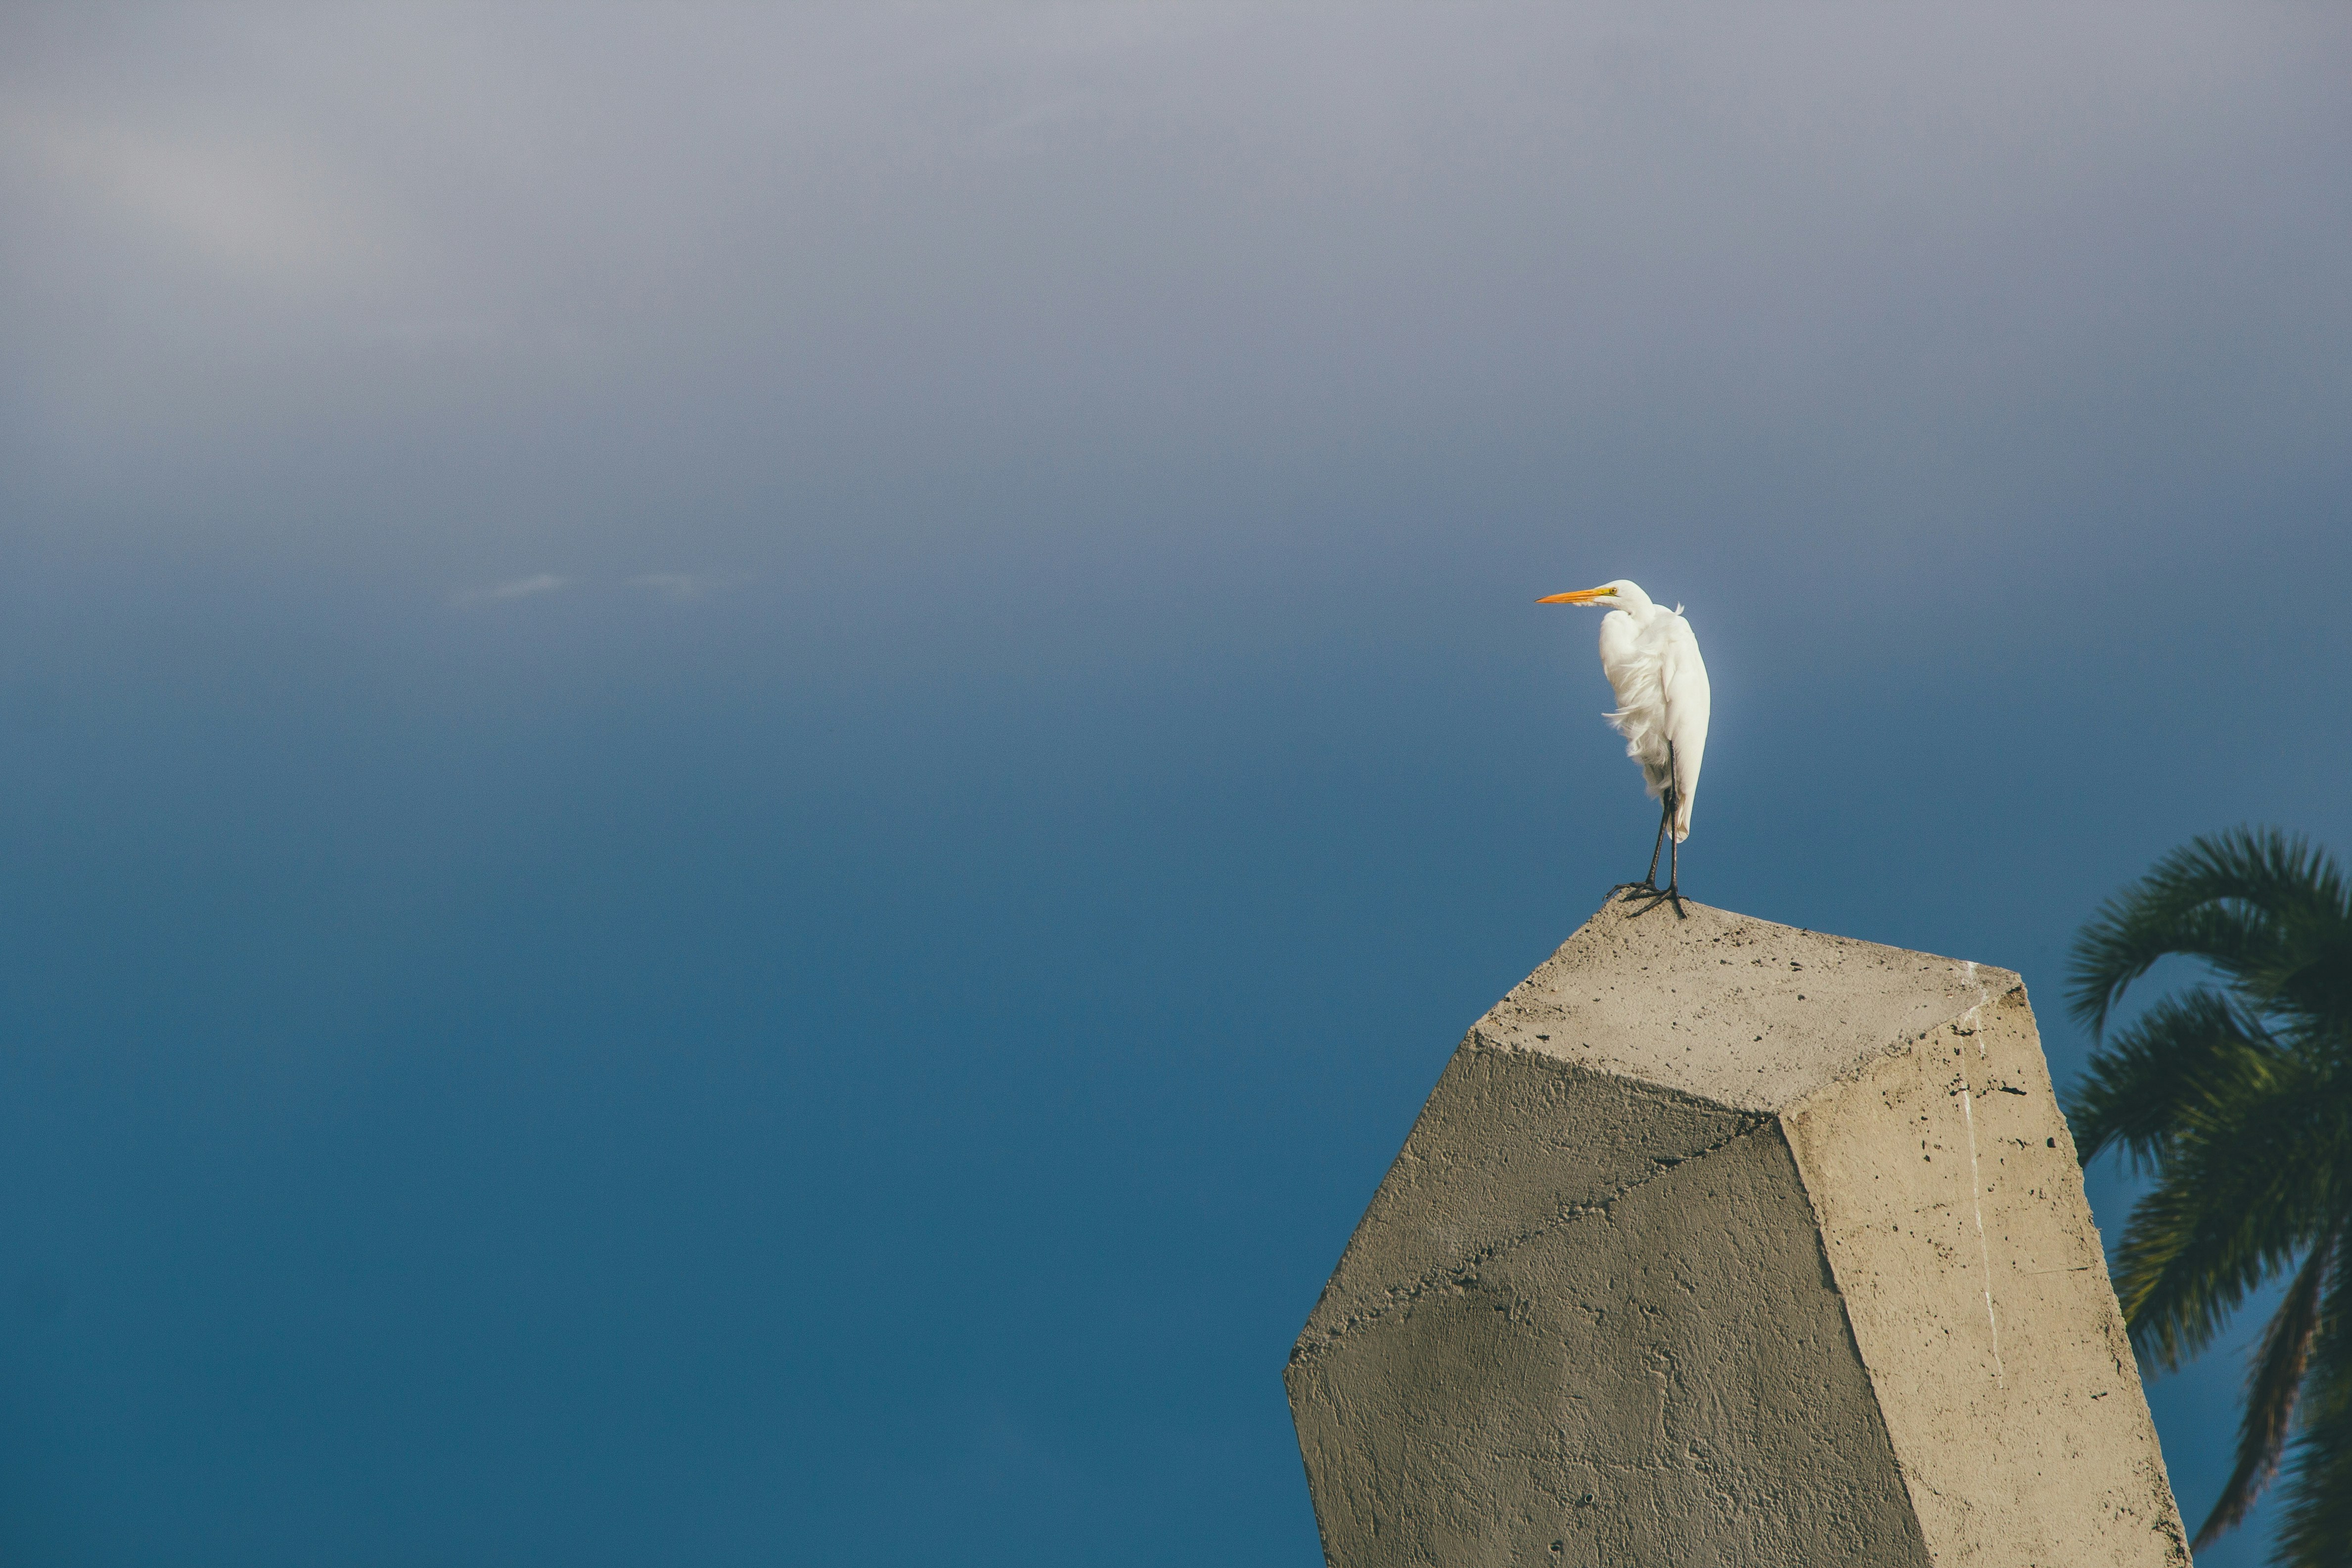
[1674, 876]
[1673, 891]
[1649, 883]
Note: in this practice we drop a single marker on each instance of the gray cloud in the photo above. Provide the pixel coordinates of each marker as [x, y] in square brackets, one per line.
[859, 286]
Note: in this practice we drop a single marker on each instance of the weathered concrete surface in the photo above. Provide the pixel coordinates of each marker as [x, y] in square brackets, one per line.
[1724, 1243]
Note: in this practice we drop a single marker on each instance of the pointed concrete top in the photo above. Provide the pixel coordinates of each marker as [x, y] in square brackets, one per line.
[1728, 1008]
[1724, 1242]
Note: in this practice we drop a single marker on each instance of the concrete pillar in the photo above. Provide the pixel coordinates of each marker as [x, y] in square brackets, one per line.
[1721, 1242]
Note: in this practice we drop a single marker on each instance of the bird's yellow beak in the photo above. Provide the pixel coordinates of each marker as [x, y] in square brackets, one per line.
[1581, 596]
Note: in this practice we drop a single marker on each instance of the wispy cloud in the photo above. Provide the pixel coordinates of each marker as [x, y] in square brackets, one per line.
[521, 588]
[679, 585]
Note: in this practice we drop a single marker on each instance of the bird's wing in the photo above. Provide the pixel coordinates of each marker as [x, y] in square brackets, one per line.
[1688, 703]
[1622, 658]
[1629, 657]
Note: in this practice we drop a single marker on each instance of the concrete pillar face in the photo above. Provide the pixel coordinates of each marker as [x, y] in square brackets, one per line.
[1725, 1242]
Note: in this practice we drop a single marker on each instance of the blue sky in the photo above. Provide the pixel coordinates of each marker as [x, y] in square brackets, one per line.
[753, 760]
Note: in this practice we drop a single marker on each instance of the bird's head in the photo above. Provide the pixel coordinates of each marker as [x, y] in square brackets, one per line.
[1618, 595]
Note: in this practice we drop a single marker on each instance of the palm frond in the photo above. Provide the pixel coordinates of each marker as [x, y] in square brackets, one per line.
[2316, 1529]
[2231, 899]
[2217, 1223]
[2313, 996]
[2180, 1064]
[2271, 1389]
[2239, 1095]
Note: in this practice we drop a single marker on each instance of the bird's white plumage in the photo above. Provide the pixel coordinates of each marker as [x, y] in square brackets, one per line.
[1651, 661]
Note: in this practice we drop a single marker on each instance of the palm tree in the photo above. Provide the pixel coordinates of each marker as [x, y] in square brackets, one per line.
[2237, 1095]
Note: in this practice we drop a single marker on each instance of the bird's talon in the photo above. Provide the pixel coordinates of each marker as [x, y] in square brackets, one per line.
[1667, 894]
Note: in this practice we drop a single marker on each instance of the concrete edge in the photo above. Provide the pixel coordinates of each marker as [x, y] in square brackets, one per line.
[1310, 1347]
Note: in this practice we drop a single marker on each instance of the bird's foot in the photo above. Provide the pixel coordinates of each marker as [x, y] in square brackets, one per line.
[1669, 893]
[1634, 890]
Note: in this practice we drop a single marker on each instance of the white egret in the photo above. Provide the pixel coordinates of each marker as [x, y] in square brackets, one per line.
[1651, 662]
